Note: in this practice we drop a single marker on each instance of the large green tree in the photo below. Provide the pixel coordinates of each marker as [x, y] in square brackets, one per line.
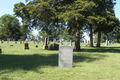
[10, 27]
[104, 20]
[47, 14]
[53, 34]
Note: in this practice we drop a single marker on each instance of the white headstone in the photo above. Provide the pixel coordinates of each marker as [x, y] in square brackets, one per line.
[106, 44]
[65, 56]
[70, 42]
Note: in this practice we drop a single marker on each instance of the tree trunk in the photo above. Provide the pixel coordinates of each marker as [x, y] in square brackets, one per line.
[98, 41]
[77, 39]
[77, 36]
[91, 36]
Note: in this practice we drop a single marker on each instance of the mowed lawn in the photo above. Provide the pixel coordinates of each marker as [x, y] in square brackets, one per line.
[38, 64]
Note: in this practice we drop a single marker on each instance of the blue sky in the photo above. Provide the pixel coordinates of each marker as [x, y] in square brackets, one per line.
[6, 7]
[117, 9]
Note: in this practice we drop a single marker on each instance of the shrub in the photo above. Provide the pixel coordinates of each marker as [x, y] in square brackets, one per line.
[53, 47]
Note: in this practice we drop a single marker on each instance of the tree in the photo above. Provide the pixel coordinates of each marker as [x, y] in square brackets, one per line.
[116, 32]
[10, 27]
[52, 13]
[24, 32]
[52, 34]
[105, 17]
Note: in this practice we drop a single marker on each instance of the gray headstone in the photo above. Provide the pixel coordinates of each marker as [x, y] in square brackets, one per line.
[15, 42]
[20, 42]
[65, 56]
[112, 42]
[70, 42]
[85, 44]
[106, 43]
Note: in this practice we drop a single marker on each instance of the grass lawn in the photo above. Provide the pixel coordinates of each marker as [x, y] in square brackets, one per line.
[38, 64]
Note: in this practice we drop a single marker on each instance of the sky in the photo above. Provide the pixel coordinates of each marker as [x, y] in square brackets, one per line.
[6, 7]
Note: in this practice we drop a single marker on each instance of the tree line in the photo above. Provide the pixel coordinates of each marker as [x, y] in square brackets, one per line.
[11, 28]
[97, 16]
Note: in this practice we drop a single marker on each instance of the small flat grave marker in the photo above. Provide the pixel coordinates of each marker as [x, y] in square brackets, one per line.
[11, 45]
[65, 56]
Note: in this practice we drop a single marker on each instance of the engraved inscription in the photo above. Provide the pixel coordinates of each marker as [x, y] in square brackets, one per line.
[65, 56]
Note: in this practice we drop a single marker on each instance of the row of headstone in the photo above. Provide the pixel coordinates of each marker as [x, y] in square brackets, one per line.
[36, 42]
[108, 43]
[66, 43]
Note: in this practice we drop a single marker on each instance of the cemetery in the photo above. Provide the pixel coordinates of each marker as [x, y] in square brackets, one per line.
[59, 40]
[65, 63]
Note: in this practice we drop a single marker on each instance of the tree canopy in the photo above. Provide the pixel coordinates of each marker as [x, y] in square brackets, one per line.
[9, 27]
[54, 14]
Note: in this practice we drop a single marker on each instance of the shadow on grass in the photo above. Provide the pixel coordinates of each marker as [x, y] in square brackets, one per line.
[101, 49]
[38, 61]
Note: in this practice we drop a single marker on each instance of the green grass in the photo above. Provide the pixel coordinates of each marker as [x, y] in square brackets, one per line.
[38, 64]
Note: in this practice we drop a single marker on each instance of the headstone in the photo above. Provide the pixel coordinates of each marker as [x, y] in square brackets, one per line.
[54, 40]
[106, 44]
[45, 46]
[7, 41]
[112, 42]
[2, 41]
[26, 46]
[70, 42]
[20, 42]
[65, 56]
[11, 45]
[13, 39]
[85, 44]
[15, 42]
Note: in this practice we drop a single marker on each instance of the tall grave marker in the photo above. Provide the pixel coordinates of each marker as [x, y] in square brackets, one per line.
[70, 42]
[65, 56]
[45, 46]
